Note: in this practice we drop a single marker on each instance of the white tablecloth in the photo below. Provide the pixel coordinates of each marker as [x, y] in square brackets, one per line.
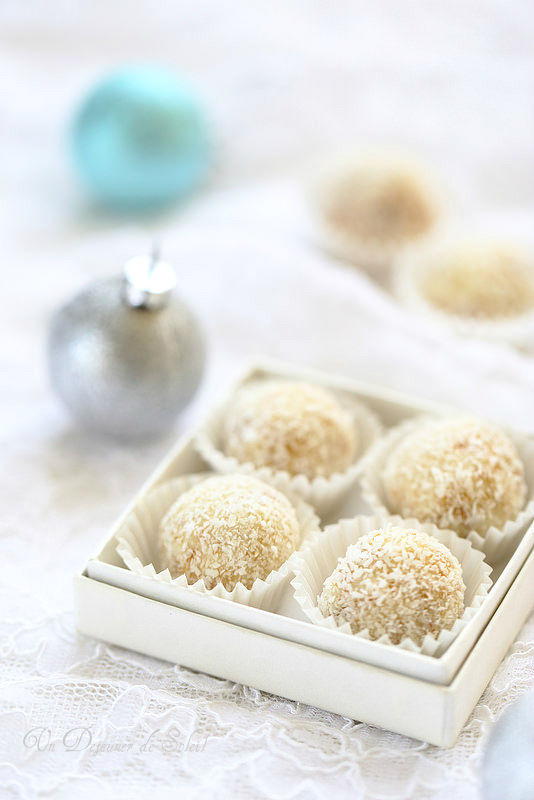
[284, 81]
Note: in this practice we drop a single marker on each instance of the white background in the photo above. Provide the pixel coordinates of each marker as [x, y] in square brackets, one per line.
[284, 83]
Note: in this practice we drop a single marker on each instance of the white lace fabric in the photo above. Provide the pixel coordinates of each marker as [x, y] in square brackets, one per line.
[246, 263]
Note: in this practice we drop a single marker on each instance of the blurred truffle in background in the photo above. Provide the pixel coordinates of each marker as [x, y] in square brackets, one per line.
[478, 285]
[369, 206]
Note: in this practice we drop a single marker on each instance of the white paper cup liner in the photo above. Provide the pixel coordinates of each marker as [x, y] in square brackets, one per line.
[411, 269]
[321, 492]
[372, 254]
[138, 545]
[497, 543]
[318, 561]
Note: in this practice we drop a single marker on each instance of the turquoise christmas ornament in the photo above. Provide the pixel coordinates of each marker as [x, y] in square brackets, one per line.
[140, 139]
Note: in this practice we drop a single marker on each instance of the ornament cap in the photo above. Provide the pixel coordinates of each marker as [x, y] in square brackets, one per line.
[148, 281]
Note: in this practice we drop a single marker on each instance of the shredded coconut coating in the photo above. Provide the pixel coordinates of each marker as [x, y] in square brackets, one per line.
[295, 427]
[228, 529]
[460, 474]
[481, 280]
[379, 201]
[398, 581]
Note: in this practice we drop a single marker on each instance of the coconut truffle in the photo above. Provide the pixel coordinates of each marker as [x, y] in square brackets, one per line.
[295, 427]
[481, 280]
[457, 473]
[228, 529]
[378, 200]
[400, 582]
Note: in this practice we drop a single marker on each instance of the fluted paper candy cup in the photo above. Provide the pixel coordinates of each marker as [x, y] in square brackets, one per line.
[496, 543]
[138, 545]
[318, 561]
[321, 492]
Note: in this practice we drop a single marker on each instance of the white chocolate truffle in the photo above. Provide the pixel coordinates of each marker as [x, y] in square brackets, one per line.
[481, 280]
[399, 582]
[456, 473]
[226, 529]
[378, 200]
[295, 427]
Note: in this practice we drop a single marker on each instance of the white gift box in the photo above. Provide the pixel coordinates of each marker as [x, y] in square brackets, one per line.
[281, 651]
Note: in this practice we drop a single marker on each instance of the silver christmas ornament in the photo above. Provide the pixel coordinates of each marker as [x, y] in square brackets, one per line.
[508, 765]
[127, 355]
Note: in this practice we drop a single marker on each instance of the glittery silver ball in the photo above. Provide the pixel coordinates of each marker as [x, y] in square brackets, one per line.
[508, 765]
[124, 371]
